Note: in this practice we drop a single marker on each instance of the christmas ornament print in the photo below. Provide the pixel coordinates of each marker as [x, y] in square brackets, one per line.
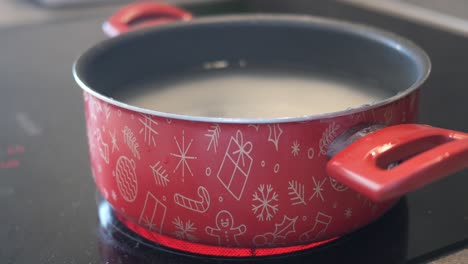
[337, 186]
[126, 178]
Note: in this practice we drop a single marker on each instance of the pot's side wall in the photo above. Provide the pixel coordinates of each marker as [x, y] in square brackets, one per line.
[226, 184]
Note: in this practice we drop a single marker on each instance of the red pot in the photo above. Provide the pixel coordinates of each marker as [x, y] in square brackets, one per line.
[243, 187]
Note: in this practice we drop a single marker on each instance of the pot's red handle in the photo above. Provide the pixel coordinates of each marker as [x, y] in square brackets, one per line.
[143, 14]
[395, 160]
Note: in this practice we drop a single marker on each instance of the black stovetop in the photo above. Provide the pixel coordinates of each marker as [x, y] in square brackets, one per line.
[50, 212]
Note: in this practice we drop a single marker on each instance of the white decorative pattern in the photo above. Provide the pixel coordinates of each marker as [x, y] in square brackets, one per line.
[265, 202]
[275, 134]
[213, 135]
[318, 189]
[295, 148]
[337, 186]
[322, 221]
[160, 175]
[296, 191]
[254, 126]
[328, 136]
[200, 205]
[184, 231]
[182, 155]
[114, 141]
[107, 111]
[95, 107]
[276, 168]
[310, 153]
[131, 142]
[226, 231]
[148, 129]
[348, 212]
[365, 202]
[235, 168]
[153, 213]
[127, 183]
[102, 146]
[277, 237]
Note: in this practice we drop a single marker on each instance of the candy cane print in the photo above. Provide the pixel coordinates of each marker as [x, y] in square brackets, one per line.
[199, 206]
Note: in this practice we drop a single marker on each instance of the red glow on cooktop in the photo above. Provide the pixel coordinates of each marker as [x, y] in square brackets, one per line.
[209, 250]
[11, 162]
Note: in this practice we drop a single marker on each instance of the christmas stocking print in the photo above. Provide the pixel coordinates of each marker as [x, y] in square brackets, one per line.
[322, 221]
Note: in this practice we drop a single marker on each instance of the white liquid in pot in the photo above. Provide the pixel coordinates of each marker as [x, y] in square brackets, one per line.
[253, 96]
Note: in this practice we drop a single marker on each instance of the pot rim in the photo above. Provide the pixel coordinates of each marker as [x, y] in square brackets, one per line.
[389, 39]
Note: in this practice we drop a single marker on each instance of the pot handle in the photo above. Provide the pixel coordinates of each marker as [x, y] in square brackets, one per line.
[141, 15]
[393, 161]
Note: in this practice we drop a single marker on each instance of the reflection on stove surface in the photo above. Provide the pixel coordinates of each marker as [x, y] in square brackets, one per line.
[384, 241]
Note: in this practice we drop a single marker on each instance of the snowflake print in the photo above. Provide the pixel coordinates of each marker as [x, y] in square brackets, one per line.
[295, 148]
[184, 231]
[265, 202]
[114, 195]
[348, 213]
[182, 155]
[318, 189]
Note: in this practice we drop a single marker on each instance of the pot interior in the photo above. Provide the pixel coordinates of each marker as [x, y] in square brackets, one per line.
[252, 68]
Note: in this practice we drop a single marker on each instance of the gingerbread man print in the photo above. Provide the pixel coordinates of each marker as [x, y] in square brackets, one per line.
[225, 231]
